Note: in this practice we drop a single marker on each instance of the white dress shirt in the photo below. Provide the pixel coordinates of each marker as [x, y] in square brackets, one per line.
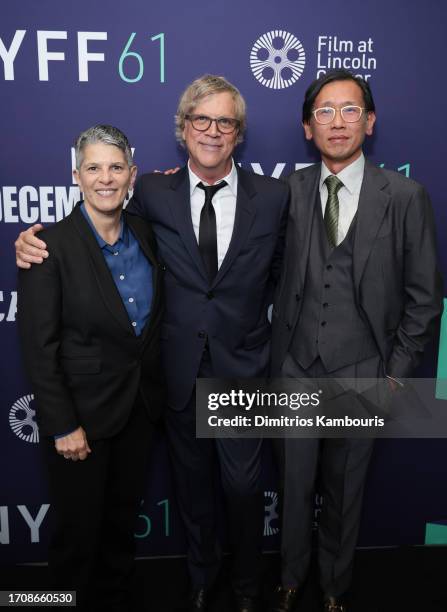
[348, 195]
[224, 204]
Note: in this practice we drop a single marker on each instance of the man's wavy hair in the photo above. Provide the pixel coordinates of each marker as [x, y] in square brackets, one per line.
[199, 89]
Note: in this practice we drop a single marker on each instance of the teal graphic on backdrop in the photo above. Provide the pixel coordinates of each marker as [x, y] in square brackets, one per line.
[436, 532]
[441, 383]
[127, 56]
[146, 523]
[404, 168]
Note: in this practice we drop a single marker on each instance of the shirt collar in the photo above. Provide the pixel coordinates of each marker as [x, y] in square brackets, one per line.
[123, 237]
[231, 179]
[351, 176]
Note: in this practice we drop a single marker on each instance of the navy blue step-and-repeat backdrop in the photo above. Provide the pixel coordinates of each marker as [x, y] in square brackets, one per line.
[67, 66]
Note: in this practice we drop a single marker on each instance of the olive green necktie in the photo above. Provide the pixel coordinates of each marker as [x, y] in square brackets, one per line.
[333, 185]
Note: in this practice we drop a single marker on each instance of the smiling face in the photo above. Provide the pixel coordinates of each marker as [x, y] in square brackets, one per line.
[340, 142]
[104, 178]
[210, 152]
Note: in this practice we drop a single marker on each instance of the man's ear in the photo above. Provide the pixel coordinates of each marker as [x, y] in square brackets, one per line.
[370, 121]
[307, 130]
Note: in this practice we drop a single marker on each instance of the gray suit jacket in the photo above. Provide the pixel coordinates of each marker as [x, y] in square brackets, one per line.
[397, 282]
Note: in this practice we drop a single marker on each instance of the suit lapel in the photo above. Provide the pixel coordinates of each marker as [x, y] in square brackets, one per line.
[245, 214]
[305, 200]
[106, 284]
[373, 203]
[180, 205]
[141, 233]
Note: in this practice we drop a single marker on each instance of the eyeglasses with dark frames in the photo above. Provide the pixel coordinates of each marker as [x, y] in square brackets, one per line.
[202, 123]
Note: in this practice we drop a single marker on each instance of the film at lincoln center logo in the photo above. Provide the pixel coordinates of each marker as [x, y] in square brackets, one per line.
[21, 419]
[277, 59]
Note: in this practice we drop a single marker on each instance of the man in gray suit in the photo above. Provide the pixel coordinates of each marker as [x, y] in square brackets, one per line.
[359, 296]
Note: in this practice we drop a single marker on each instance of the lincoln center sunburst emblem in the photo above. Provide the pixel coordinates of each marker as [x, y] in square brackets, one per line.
[277, 59]
[271, 513]
[21, 419]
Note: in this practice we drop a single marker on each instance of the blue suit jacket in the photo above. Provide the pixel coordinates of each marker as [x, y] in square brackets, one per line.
[231, 312]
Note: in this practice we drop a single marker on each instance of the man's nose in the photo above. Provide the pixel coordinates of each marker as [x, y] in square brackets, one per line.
[338, 119]
[212, 130]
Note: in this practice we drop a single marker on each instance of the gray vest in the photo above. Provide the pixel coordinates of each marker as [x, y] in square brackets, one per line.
[330, 325]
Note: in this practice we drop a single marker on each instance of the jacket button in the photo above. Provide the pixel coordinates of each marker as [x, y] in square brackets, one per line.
[329, 267]
[289, 327]
[202, 334]
[210, 295]
[323, 323]
[327, 286]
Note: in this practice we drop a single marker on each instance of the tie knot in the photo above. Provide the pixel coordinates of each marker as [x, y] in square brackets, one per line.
[211, 190]
[333, 184]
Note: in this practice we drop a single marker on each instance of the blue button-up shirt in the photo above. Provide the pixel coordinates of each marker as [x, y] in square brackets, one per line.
[131, 272]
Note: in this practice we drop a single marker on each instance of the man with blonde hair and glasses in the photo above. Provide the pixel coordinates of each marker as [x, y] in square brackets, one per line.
[220, 232]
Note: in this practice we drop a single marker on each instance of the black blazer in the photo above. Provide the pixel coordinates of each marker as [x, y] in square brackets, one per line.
[85, 362]
[230, 314]
[397, 281]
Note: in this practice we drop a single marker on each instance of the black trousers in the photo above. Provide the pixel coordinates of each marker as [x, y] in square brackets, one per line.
[341, 465]
[194, 466]
[94, 506]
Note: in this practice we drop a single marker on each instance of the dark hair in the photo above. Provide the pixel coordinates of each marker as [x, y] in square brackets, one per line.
[335, 75]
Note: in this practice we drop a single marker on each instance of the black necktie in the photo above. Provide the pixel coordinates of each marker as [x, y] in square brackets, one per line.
[207, 230]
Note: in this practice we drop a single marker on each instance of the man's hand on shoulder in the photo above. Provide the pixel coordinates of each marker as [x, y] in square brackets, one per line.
[168, 172]
[29, 248]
